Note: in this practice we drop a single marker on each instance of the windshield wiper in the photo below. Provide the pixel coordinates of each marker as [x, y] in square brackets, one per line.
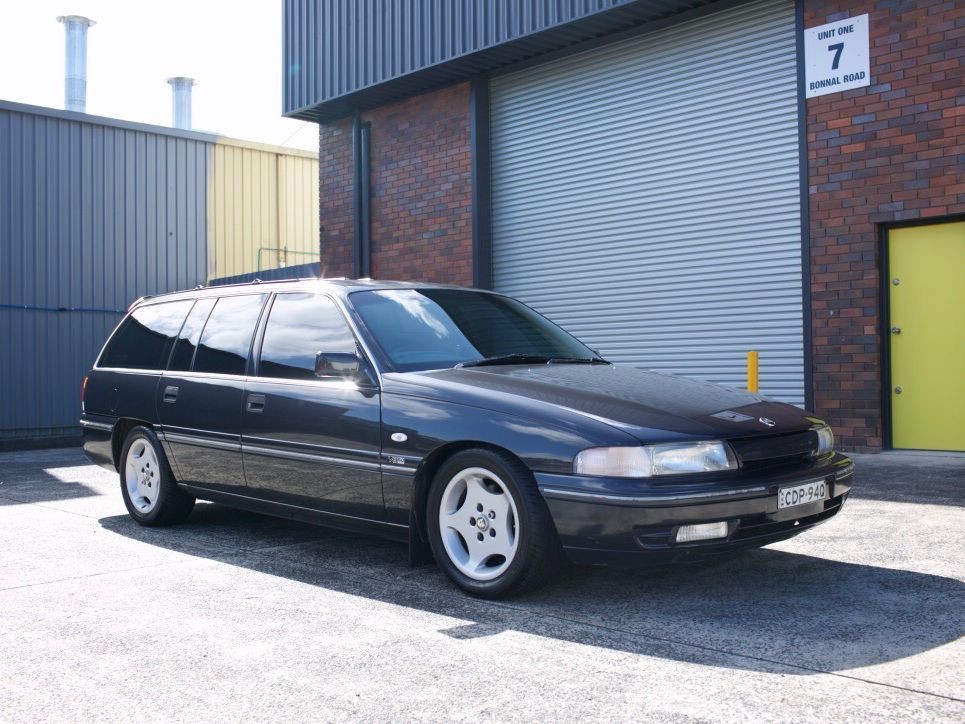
[508, 359]
[578, 361]
[520, 358]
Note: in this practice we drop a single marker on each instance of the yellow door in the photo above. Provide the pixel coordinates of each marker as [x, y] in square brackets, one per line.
[926, 269]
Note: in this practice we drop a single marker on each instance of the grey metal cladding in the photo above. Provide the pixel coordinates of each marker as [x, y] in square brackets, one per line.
[648, 199]
[339, 55]
[93, 214]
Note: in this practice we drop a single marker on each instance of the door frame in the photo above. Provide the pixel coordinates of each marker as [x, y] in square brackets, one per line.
[884, 314]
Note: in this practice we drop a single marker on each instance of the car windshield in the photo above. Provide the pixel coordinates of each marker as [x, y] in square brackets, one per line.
[422, 329]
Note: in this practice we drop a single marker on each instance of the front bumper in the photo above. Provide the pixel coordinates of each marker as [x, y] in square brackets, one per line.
[626, 522]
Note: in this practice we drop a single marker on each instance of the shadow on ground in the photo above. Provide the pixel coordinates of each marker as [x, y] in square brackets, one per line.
[907, 478]
[767, 610]
[25, 483]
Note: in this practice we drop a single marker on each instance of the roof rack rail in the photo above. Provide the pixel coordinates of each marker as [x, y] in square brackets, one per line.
[138, 301]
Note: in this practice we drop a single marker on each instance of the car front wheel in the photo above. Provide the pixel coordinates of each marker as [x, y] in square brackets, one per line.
[489, 528]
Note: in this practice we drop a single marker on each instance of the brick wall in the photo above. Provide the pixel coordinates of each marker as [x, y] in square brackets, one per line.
[421, 190]
[889, 152]
[336, 204]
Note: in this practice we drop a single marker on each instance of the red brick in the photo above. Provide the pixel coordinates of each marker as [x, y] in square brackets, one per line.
[421, 190]
[900, 170]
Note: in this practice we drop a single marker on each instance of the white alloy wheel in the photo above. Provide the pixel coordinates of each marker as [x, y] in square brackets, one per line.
[142, 476]
[479, 524]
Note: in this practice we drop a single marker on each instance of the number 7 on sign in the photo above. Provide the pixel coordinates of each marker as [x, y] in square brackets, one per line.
[837, 48]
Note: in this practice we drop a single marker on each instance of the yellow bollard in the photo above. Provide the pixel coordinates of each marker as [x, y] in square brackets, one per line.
[752, 361]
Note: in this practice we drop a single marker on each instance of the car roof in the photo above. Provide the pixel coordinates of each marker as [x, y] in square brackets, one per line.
[337, 285]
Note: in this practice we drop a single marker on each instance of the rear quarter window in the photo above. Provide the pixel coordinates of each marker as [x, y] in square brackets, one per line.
[145, 337]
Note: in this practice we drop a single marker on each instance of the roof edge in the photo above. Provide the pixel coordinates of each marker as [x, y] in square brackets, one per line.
[203, 136]
[573, 35]
[78, 117]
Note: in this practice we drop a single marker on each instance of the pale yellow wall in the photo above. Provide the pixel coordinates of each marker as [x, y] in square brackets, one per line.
[260, 197]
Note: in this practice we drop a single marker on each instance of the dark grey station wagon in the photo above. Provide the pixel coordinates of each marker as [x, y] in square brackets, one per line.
[459, 421]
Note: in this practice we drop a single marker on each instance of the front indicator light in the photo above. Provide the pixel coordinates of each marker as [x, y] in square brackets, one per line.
[825, 440]
[701, 531]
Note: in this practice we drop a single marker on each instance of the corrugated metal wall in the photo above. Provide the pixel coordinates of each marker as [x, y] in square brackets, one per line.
[91, 217]
[264, 208]
[646, 195]
[342, 47]
[95, 213]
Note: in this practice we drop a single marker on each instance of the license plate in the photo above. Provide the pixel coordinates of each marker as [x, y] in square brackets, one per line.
[802, 494]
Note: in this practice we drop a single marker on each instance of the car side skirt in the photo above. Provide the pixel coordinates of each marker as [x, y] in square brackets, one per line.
[339, 521]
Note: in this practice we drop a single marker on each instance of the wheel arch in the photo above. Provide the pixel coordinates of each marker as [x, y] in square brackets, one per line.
[121, 429]
[428, 468]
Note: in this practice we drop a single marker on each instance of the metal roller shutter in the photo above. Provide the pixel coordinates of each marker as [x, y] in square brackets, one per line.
[646, 196]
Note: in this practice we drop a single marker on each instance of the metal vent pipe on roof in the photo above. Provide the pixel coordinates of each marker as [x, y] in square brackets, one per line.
[181, 101]
[75, 75]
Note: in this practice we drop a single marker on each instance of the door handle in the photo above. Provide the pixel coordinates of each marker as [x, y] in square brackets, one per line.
[896, 330]
[170, 394]
[255, 403]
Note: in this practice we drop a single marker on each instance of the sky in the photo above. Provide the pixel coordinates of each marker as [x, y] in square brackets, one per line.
[233, 49]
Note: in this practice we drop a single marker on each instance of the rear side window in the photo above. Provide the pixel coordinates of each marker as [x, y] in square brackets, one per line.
[227, 335]
[145, 338]
[190, 335]
[299, 327]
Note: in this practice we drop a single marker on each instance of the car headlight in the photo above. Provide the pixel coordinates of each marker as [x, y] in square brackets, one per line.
[825, 440]
[645, 461]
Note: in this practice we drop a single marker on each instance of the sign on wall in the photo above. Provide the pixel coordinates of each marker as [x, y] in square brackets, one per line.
[836, 57]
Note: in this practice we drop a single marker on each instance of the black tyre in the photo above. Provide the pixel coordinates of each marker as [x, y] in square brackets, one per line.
[150, 492]
[489, 528]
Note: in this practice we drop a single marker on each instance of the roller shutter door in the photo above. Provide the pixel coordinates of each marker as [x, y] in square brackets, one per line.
[646, 196]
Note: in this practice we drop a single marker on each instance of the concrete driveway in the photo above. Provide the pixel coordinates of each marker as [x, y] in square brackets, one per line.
[235, 615]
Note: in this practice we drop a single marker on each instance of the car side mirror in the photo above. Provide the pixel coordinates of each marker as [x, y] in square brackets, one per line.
[338, 365]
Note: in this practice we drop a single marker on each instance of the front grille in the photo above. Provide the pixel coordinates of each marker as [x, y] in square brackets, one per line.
[775, 451]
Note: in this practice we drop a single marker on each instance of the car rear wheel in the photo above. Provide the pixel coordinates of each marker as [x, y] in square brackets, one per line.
[489, 529]
[150, 492]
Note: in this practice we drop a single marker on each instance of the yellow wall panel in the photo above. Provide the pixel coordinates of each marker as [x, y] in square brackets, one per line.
[262, 208]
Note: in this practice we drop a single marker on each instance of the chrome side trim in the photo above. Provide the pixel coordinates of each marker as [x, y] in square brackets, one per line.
[106, 427]
[335, 384]
[186, 432]
[201, 441]
[208, 442]
[309, 457]
[631, 499]
[398, 469]
[126, 370]
[327, 451]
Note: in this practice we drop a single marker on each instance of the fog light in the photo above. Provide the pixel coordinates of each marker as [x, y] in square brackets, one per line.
[703, 531]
